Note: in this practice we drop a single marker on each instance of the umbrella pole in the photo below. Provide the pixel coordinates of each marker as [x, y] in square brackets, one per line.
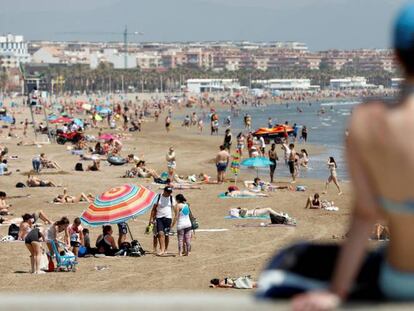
[130, 233]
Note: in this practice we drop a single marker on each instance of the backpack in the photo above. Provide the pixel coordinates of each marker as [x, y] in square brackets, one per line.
[78, 167]
[159, 198]
[136, 249]
[14, 231]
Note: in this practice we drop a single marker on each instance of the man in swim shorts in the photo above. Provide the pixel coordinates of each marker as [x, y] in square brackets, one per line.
[222, 161]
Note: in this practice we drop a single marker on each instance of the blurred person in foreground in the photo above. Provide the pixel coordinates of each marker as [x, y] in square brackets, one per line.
[321, 277]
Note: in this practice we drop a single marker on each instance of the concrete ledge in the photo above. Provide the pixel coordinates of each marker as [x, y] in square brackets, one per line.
[160, 301]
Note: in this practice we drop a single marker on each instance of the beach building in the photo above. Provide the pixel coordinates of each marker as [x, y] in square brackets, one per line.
[285, 84]
[13, 51]
[48, 55]
[212, 85]
[350, 83]
[396, 83]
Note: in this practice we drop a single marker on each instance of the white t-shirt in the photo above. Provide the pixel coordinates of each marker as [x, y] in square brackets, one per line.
[164, 208]
[262, 142]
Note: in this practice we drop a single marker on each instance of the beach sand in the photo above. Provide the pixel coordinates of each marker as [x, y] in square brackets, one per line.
[236, 252]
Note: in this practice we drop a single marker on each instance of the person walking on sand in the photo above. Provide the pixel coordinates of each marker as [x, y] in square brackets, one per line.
[167, 123]
[333, 176]
[222, 161]
[161, 214]
[184, 226]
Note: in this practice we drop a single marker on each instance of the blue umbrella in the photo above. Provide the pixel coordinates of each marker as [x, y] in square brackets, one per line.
[7, 119]
[256, 162]
[78, 122]
[52, 117]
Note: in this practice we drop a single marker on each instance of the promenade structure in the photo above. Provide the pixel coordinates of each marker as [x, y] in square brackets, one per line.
[13, 51]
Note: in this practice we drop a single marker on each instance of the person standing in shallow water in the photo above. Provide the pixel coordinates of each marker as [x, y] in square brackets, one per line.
[273, 158]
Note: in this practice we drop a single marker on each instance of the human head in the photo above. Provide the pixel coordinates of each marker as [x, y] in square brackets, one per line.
[304, 151]
[404, 38]
[28, 218]
[171, 149]
[273, 146]
[232, 188]
[2, 194]
[222, 147]
[215, 282]
[316, 196]
[180, 198]
[256, 180]
[291, 146]
[167, 191]
[85, 231]
[107, 229]
[62, 224]
[77, 221]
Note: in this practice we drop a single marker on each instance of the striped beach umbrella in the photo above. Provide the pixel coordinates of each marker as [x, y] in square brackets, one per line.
[119, 204]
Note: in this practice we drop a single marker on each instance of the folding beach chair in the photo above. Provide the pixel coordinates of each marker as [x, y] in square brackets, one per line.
[66, 262]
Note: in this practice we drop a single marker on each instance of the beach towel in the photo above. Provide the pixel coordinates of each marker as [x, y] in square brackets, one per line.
[224, 196]
[248, 217]
[263, 225]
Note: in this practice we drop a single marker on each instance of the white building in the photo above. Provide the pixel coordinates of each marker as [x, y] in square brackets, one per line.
[212, 85]
[285, 84]
[13, 51]
[350, 83]
[48, 55]
[397, 82]
[114, 57]
[149, 60]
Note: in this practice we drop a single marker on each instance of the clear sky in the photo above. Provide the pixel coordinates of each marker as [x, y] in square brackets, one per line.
[322, 24]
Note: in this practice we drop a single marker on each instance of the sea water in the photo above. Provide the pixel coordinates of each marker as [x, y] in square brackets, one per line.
[324, 129]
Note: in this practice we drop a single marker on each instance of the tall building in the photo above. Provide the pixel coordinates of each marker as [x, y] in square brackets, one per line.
[13, 51]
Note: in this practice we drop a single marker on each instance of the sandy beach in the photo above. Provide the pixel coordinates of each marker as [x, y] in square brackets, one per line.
[235, 252]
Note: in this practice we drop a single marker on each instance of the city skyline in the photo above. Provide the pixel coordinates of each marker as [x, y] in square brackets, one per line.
[321, 24]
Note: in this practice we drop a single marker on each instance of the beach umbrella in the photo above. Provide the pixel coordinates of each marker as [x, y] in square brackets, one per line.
[61, 120]
[78, 122]
[107, 136]
[256, 162]
[87, 107]
[119, 204]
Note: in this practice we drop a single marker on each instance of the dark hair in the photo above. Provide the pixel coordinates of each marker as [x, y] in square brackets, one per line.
[62, 222]
[106, 229]
[222, 147]
[85, 230]
[291, 146]
[77, 221]
[406, 59]
[332, 160]
[305, 152]
[180, 198]
[2, 194]
[316, 195]
[256, 180]
[215, 282]
[26, 217]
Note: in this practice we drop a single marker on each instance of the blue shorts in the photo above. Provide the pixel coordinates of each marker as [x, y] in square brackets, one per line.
[221, 167]
[164, 225]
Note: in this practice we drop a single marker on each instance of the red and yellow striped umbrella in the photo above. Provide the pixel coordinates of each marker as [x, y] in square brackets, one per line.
[119, 204]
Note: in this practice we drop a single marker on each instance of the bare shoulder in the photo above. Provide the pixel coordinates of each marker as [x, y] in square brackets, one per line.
[365, 118]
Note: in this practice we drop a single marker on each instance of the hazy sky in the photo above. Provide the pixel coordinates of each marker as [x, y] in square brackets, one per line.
[322, 24]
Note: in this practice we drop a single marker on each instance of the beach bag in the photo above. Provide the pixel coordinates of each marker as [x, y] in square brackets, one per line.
[194, 222]
[14, 231]
[136, 249]
[20, 185]
[79, 167]
[44, 262]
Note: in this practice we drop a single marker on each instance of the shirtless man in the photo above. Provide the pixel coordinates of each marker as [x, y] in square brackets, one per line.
[291, 162]
[222, 161]
[33, 181]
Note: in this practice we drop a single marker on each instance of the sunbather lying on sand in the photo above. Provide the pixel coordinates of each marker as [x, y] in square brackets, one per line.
[234, 192]
[33, 181]
[256, 212]
[65, 198]
[257, 185]
[46, 163]
[244, 282]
